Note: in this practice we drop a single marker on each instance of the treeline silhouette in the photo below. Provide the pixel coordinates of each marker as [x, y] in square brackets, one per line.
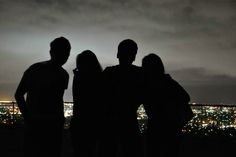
[113, 94]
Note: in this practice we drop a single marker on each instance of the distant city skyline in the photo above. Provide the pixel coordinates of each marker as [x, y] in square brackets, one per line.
[209, 119]
[195, 39]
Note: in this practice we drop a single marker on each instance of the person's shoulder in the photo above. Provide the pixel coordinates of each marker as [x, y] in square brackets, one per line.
[135, 67]
[110, 68]
[172, 82]
[38, 65]
[167, 78]
[64, 72]
[35, 67]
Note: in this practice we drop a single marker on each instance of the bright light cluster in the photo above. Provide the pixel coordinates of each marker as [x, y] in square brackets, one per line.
[209, 120]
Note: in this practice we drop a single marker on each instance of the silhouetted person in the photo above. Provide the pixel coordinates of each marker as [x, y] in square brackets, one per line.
[86, 95]
[43, 110]
[165, 103]
[122, 89]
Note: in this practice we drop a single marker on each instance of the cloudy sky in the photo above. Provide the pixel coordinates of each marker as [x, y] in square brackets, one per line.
[195, 39]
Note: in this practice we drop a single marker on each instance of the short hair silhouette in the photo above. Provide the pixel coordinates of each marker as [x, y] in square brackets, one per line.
[60, 50]
[127, 50]
[44, 83]
[152, 63]
[122, 97]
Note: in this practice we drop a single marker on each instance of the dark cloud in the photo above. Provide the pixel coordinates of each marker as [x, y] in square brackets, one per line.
[185, 33]
[203, 76]
[212, 94]
[207, 86]
[184, 16]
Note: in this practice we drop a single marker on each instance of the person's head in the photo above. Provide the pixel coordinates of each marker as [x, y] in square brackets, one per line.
[127, 51]
[153, 65]
[87, 62]
[60, 50]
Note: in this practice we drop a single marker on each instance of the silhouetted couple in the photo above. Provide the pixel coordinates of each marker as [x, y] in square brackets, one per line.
[105, 107]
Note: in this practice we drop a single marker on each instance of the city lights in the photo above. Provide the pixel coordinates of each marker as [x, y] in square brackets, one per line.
[209, 119]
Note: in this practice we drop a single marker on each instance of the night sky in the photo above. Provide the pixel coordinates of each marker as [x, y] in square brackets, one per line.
[195, 38]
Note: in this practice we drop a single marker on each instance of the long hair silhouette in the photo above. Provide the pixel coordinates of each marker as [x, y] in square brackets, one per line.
[86, 96]
[165, 103]
[153, 64]
[87, 64]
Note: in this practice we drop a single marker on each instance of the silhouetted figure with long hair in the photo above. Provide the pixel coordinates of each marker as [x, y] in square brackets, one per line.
[165, 104]
[122, 89]
[86, 95]
[43, 110]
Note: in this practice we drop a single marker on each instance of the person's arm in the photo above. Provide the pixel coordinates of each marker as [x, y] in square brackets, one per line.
[75, 95]
[22, 89]
[183, 94]
[106, 91]
[180, 93]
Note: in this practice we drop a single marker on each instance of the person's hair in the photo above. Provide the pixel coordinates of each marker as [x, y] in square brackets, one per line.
[127, 50]
[128, 45]
[60, 44]
[87, 63]
[153, 63]
[60, 50]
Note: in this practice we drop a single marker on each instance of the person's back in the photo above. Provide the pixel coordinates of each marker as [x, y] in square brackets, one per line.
[165, 94]
[122, 87]
[45, 92]
[164, 102]
[86, 95]
[44, 83]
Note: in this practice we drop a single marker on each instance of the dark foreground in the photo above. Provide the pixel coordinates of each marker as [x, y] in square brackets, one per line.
[11, 144]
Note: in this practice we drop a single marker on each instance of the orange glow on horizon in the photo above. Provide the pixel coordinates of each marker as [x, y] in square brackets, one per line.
[5, 100]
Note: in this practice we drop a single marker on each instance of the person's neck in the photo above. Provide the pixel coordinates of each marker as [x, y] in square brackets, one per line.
[54, 64]
[125, 64]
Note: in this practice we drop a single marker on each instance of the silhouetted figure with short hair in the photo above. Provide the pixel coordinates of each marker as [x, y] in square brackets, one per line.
[43, 110]
[84, 125]
[122, 98]
[165, 104]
